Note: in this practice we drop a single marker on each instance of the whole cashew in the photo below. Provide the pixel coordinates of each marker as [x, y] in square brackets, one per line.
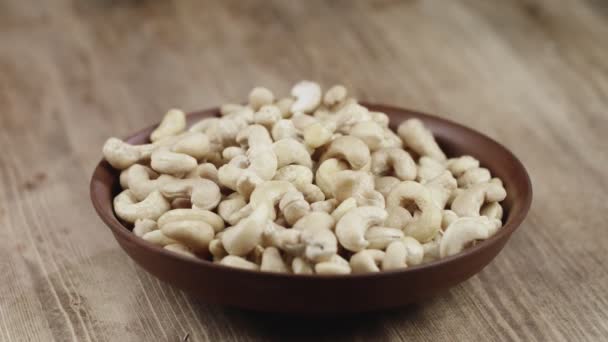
[267, 116]
[350, 183]
[447, 217]
[469, 201]
[317, 134]
[195, 234]
[348, 116]
[217, 249]
[129, 209]
[206, 216]
[140, 183]
[420, 139]
[284, 106]
[335, 95]
[293, 206]
[474, 176]
[385, 184]
[254, 135]
[284, 129]
[380, 237]
[380, 118]
[343, 208]
[239, 262]
[335, 265]
[492, 210]
[349, 148]
[242, 238]
[458, 166]
[173, 123]
[297, 175]
[311, 192]
[143, 226]
[231, 204]
[367, 260]
[429, 168]
[272, 261]
[325, 176]
[431, 249]
[441, 188]
[462, 232]
[321, 243]
[268, 194]
[203, 193]
[290, 151]
[326, 206]
[194, 144]
[403, 253]
[165, 161]
[157, 237]
[301, 266]
[260, 96]
[308, 97]
[371, 133]
[121, 155]
[395, 159]
[317, 219]
[231, 152]
[425, 227]
[351, 228]
[230, 108]
[398, 217]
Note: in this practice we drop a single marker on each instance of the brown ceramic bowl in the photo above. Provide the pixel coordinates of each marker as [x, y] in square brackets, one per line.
[304, 294]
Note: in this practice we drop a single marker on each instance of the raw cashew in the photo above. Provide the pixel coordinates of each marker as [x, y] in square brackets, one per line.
[431, 249]
[317, 134]
[492, 210]
[206, 171]
[143, 226]
[335, 265]
[386, 184]
[203, 193]
[370, 133]
[231, 152]
[441, 188]
[351, 228]
[121, 155]
[325, 206]
[238, 262]
[267, 116]
[425, 227]
[350, 183]
[429, 168]
[165, 161]
[380, 237]
[403, 253]
[396, 160]
[173, 123]
[301, 266]
[462, 232]
[259, 97]
[230, 108]
[308, 97]
[269, 193]
[311, 192]
[343, 208]
[474, 176]
[272, 261]
[349, 148]
[242, 238]
[458, 166]
[293, 206]
[284, 106]
[206, 216]
[254, 135]
[129, 209]
[297, 175]
[420, 139]
[334, 95]
[290, 151]
[316, 219]
[217, 249]
[367, 260]
[469, 201]
[325, 176]
[398, 217]
[194, 144]
[321, 243]
[233, 203]
[284, 129]
[140, 183]
[447, 217]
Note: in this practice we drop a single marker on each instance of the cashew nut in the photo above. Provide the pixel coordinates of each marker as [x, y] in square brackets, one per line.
[367, 260]
[474, 176]
[386, 184]
[203, 193]
[325, 176]
[301, 266]
[165, 161]
[441, 188]
[326, 206]
[334, 95]
[308, 97]
[180, 249]
[335, 265]
[349, 148]
[272, 261]
[173, 123]
[463, 231]
[420, 139]
[259, 97]
[394, 159]
[284, 129]
[469, 201]
[380, 237]
[290, 151]
[129, 209]
[458, 166]
[426, 226]
[429, 168]
[239, 262]
[121, 155]
[351, 228]
[143, 226]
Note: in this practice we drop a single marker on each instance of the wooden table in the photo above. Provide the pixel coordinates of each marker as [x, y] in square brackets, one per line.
[531, 74]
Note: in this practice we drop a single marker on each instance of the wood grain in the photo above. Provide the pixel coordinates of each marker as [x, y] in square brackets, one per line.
[532, 74]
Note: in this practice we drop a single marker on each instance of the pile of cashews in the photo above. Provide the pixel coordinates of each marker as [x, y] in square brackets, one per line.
[312, 183]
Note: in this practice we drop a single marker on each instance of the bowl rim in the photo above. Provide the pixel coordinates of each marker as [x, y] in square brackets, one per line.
[513, 222]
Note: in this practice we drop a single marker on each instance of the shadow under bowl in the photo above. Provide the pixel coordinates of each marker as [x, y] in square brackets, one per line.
[302, 294]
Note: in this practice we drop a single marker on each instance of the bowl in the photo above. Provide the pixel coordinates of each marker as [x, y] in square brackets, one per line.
[339, 294]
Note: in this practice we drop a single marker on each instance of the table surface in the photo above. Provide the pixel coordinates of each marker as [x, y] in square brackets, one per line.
[531, 74]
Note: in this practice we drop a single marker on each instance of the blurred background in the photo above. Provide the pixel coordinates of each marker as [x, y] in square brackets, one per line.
[532, 74]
